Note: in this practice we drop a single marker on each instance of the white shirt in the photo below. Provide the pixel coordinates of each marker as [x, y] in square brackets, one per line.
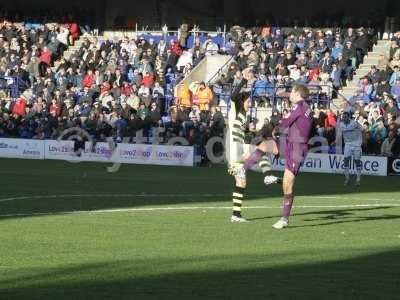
[352, 133]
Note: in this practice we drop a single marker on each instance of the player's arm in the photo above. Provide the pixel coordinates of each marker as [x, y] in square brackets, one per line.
[352, 126]
[286, 122]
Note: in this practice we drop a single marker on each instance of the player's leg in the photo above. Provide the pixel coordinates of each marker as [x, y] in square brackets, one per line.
[266, 167]
[358, 162]
[237, 198]
[295, 156]
[288, 198]
[234, 155]
[256, 157]
[268, 146]
[261, 156]
[346, 164]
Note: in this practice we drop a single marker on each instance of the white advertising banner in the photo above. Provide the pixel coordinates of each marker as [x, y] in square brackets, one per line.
[100, 152]
[22, 148]
[121, 153]
[60, 150]
[155, 154]
[334, 163]
[166, 155]
[330, 163]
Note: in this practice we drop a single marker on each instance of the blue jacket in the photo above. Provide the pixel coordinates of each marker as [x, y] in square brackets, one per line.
[395, 91]
[262, 88]
[336, 77]
[336, 51]
[393, 78]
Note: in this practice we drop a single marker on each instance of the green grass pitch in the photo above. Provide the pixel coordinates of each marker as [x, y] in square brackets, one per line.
[76, 231]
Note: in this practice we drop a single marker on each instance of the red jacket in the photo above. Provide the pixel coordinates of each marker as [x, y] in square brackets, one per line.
[127, 90]
[148, 81]
[330, 120]
[176, 48]
[19, 107]
[74, 31]
[55, 108]
[88, 81]
[314, 73]
[46, 57]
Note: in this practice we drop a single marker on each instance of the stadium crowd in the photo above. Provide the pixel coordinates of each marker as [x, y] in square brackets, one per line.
[119, 87]
[272, 59]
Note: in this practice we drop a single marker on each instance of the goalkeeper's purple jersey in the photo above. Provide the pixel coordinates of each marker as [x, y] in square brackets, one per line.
[299, 123]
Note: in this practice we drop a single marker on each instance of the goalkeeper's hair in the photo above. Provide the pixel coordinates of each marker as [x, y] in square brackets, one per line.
[302, 90]
[239, 101]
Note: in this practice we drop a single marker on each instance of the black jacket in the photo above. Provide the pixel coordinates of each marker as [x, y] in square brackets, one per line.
[362, 43]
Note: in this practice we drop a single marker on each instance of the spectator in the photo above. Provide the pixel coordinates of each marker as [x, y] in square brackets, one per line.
[389, 144]
[383, 62]
[55, 108]
[210, 48]
[365, 90]
[325, 64]
[89, 79]
[19, 108]
[379, 131]
[337, 50]
[204, 96]
[396, 59]
[330, 119]
[395, 90]
[395, 76]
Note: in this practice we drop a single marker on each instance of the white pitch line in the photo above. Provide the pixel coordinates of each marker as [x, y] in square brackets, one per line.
[110, 196]
[177, 208]
[192, 208]
[142, 195]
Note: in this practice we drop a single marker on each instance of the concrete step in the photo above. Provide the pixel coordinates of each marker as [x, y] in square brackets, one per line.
[352, 84]
[356, 81]
[347, 95]
[366, 66]
[73, 48]
[67, 55]
[383, 43]
[362, 71]
[373, 54]
[347, 89]
[357, 78]
[337, 103]
[371, 60]
[381, 49]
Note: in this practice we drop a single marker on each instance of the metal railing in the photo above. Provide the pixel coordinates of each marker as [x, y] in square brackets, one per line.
[219, 36]
[14, 86]
[274, 95]
[221, 70]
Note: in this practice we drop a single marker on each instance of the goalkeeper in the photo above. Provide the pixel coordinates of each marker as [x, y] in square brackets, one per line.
[241, 104]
